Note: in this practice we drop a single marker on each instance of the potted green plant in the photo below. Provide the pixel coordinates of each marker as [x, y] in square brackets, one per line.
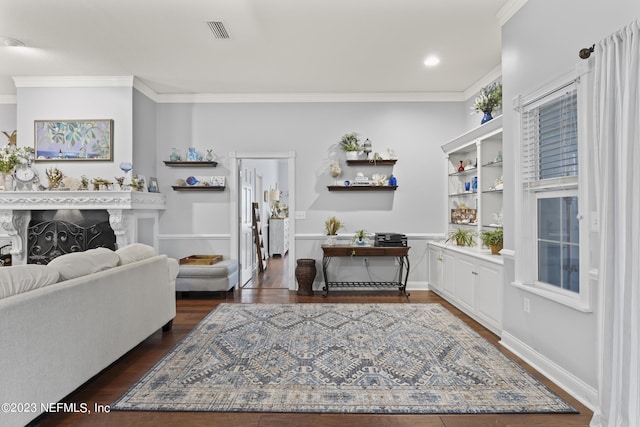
[350, 144]
[360, 237]
[462, 237]
[332, 225]
[493, 239]
[490, 98]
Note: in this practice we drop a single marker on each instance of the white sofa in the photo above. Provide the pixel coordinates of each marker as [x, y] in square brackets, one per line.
[56, 337]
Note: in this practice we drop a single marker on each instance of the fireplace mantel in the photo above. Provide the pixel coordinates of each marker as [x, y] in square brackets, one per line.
[126, 210]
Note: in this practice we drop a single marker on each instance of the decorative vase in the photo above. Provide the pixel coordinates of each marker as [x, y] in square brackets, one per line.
[209, 156]
[486, 117]
[175, 156]
[305, 275]
[461, 167]
[332, 239]
[352, 155]
[6, 181]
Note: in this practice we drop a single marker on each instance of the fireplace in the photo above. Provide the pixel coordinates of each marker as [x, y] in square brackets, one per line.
[54, 233]
[45, 224]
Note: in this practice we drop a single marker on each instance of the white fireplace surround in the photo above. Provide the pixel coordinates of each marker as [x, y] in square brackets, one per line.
[133, 215]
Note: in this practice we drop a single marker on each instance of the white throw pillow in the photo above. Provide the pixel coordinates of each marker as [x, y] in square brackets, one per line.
[23, 278]
[135, 252]
[79, 264]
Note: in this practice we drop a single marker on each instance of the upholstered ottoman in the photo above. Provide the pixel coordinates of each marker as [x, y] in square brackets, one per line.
[221, 276]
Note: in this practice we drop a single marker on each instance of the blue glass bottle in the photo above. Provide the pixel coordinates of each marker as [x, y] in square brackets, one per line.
[393, 181]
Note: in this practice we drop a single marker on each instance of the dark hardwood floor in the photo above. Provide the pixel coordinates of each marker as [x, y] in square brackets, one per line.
[107, 386]
[273, 277]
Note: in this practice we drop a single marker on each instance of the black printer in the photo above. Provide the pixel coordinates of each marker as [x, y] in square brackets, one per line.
[390, 240]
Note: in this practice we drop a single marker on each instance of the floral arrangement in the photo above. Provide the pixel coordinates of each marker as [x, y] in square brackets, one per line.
[54, 175]
[10, 156]
[332, 225]
[350, 142]
[490, 98]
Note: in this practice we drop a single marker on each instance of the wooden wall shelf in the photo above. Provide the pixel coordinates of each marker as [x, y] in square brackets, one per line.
[362, 188]
[181, 163]
[197, 188]
[372, 162]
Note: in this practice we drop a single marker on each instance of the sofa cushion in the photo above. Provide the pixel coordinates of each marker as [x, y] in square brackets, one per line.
[79, 264]
[135, 252]
[23, 278]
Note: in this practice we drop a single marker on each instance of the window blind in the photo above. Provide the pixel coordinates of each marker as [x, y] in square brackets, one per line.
[550, 139]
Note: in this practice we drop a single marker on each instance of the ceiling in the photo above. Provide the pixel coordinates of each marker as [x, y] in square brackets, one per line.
[275, 46]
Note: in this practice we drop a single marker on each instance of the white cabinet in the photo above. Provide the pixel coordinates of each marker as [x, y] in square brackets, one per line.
[472, 281]
[278, 236]
[474, 193]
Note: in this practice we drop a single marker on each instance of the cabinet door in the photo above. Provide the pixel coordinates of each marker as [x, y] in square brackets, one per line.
[448, 275]
[435, 268]
[489, 293]
[465, 282]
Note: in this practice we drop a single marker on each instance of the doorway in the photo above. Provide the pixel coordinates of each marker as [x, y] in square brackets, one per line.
[253, 176]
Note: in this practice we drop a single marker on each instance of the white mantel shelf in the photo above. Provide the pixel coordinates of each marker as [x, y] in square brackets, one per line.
[126, 210]
[55, 200]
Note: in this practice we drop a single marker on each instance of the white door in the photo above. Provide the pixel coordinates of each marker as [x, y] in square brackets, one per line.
[247, 254]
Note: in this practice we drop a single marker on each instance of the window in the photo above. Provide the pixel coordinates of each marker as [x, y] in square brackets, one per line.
[551, 262]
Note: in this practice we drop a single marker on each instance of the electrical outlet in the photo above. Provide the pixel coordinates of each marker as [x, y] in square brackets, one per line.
[526, 305]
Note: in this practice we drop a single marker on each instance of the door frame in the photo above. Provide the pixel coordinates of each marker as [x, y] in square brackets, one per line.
[234, 170]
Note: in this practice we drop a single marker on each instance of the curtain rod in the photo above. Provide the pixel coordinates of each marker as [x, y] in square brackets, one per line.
[586, 52]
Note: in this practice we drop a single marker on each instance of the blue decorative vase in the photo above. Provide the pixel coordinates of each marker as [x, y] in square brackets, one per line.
[486, 117]
[393, 181]
[192, 180]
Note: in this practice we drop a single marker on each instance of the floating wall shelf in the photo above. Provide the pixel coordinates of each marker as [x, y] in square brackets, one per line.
[372, 162]
[197, 188]
[181, 163]
[362, 188]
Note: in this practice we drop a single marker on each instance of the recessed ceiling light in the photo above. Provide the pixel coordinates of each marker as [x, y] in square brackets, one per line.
[431, 61]
[8, 41]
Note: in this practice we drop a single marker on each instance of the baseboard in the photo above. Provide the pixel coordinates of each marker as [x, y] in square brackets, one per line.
[417, 286]
[573, 385]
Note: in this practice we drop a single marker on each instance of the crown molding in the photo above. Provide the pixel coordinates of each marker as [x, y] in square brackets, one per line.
[311, 97]
[491, 76]
[508, 10]
[74, 81]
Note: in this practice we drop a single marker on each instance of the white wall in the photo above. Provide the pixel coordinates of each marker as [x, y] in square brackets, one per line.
[541, 43]
[8, 120]
[37, 103]
[312, 130]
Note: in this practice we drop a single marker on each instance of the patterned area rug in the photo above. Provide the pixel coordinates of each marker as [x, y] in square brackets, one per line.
[341, 358]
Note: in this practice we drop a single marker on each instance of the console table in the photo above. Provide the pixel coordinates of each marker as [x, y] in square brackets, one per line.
[400, 253]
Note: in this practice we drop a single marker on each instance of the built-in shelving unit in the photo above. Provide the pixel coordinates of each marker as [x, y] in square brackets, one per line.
[470, 277]
[480, 150]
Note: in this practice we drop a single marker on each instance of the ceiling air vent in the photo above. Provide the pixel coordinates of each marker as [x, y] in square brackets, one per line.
[218, 29]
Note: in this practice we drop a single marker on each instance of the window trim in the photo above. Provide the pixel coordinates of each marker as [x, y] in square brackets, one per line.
[526, 199]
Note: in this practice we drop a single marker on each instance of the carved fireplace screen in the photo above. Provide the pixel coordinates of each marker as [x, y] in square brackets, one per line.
[54, 233]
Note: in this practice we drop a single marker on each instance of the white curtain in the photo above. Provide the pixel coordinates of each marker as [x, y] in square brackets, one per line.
[615, 157]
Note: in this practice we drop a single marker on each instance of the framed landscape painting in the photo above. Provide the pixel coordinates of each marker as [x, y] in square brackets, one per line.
[79, 140]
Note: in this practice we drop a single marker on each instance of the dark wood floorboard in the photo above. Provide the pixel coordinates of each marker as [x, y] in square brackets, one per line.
[116, 379]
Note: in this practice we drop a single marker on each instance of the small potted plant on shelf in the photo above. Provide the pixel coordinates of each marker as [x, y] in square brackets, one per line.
[462, 237]
[332, 225]
[490, 98]
[360, 238]
[493, 239]
[350, 144]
